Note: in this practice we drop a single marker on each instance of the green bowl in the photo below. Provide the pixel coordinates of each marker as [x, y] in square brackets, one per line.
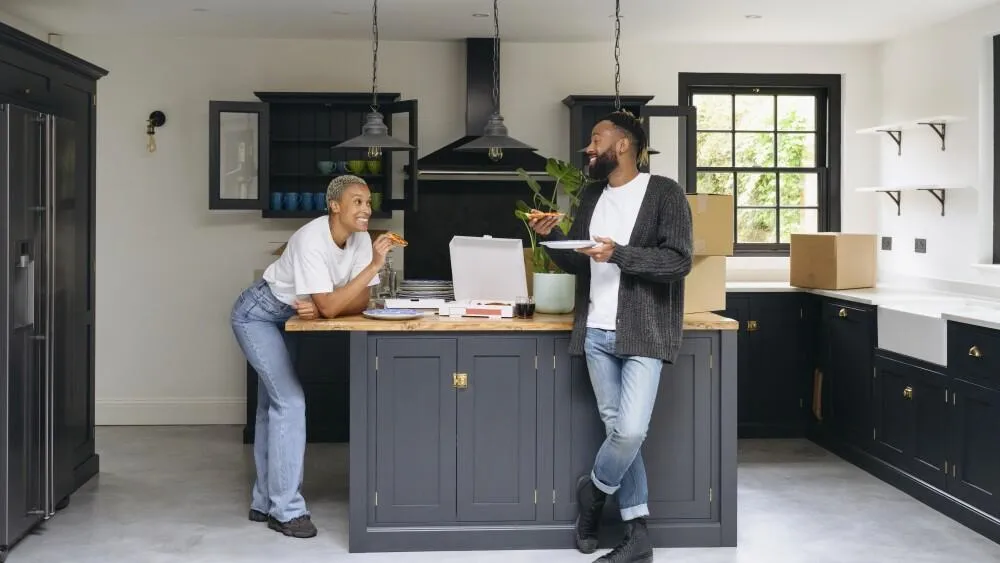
[375, 166]
[356, 167]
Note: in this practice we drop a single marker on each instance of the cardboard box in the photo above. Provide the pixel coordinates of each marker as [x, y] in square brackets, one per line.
[705, 286]
[712, 217]
[833, 261]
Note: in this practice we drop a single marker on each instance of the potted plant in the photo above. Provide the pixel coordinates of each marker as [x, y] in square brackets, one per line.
[552, 288]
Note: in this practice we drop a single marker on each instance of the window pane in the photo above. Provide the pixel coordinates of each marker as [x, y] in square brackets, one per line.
[715, 183]
[800, 190]
[797, 150]
[755, 149]
[755, 113]
[798, 221]
[796, 113]
[714, 111]
[755, 225]
[715, 149]
[755, 189]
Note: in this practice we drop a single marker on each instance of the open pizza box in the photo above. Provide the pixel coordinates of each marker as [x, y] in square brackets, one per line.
[488, 276]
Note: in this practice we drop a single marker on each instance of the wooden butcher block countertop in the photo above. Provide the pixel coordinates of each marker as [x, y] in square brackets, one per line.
[435, 323]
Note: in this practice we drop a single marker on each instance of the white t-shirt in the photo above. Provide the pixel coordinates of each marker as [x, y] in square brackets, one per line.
[614, 218]
[313, 263]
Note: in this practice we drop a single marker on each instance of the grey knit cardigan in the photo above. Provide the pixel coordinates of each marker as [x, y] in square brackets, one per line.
[653, 264]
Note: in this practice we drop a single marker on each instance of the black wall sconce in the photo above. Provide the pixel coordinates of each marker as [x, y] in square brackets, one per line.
[156, 119]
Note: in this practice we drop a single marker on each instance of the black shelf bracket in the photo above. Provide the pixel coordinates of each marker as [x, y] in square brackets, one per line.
[896, 196]
[940, 129]
[897, 136]
[938, 195]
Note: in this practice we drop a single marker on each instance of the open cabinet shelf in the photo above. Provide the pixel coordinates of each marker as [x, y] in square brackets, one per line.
[895, 193]
[938, 124]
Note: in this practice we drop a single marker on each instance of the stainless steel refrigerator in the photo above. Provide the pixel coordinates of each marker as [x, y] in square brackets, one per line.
[36, 163]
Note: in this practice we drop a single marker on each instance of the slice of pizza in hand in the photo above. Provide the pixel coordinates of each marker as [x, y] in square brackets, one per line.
[536, 214]
[396, 239]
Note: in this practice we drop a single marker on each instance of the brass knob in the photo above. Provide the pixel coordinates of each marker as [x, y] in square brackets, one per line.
[908, 393]
[751, 326]
[842, 313]
[460, 380]
[975, 353]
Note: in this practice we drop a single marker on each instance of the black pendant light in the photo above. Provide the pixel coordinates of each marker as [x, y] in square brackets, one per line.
[374, 134]
[495, 139]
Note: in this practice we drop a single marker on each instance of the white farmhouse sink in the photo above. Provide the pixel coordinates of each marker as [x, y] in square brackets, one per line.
[909, 329]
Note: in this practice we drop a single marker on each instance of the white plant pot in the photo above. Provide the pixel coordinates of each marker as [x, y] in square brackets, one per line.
[554, 293]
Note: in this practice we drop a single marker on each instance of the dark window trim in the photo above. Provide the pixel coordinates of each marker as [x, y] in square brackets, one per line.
[830, 207]
[996, 150]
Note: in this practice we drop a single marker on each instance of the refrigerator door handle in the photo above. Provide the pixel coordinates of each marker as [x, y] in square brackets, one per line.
[50, 261]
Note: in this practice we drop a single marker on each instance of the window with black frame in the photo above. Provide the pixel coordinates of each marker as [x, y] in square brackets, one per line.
[768, 145]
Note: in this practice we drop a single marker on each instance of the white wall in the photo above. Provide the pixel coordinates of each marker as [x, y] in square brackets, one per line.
[946, 69]
[27, 27]
[169, 269]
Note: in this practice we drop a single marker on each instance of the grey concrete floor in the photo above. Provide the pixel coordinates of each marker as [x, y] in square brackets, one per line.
[179, 494]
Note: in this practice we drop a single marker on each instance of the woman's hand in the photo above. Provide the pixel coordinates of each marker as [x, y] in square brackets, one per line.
[306, 310]
[380, 248]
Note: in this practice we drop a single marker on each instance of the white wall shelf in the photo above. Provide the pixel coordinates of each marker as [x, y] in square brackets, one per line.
[895, 193]
[938, 123]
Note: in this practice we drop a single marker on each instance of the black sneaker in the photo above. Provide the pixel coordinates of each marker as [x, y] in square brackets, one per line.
[257, 516]
[301, 527]
[634, 548]
[590, 503]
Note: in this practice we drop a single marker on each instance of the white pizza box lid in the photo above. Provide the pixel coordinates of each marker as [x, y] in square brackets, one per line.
[487, 268]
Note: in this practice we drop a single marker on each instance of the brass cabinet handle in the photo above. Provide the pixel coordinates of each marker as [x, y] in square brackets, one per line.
[908, 393]
[975, 353]
[842, 313]
[751, 326]
[460, 380]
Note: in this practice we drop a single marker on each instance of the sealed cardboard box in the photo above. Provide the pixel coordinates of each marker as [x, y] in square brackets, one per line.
[705, 286]
[712, 217]
[833, 261]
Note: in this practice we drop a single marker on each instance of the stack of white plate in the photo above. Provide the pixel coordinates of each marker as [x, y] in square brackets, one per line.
[426, 289]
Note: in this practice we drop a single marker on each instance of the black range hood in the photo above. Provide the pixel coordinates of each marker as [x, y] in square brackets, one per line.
[448, 164]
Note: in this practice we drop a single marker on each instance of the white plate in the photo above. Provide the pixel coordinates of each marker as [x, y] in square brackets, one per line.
[392, 314]
[569, 244]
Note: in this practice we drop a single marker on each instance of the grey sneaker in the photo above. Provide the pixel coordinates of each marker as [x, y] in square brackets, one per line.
[257, 516]
[301, 527]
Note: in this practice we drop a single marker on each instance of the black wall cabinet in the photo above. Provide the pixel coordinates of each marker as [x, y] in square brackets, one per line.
[278, 147]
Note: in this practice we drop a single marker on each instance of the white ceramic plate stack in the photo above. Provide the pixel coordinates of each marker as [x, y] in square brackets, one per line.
[426, 289]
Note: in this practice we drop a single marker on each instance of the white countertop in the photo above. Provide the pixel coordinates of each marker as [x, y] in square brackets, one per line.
[957, 307]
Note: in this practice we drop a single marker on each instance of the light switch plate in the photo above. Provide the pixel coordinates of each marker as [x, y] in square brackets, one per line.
[920, 246]
[886, 243]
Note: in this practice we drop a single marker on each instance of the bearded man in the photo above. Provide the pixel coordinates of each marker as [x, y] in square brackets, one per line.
[628, 319]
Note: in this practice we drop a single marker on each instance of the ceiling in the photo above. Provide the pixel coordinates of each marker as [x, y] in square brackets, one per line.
[703, 21]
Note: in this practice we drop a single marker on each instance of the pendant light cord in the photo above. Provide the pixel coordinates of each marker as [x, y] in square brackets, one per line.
[375, 55]
[618, 50]
[496, 57]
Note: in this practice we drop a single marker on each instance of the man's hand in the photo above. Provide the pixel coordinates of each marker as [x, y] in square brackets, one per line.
[306, 310]
[544, 225]
[602, 252]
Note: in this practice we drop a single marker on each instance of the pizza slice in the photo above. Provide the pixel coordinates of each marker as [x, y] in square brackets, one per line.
[536, 214]
[396, 239]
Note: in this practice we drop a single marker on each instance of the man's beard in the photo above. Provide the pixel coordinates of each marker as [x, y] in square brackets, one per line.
[605, 163]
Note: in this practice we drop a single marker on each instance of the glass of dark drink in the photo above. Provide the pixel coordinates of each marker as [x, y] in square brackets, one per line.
[524, 307]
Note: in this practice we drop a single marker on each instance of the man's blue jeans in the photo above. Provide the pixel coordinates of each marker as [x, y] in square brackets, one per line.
[280, 432]
[625, 388]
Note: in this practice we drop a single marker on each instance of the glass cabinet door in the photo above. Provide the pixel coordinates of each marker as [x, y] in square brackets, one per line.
[238, 157]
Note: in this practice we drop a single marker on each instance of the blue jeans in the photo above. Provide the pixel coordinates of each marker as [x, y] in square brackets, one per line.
[280, 432]
[625, 388]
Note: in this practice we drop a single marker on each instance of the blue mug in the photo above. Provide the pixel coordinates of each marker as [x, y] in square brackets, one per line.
[292, 201]
[319, 201]
[276, 199]
[307, 202]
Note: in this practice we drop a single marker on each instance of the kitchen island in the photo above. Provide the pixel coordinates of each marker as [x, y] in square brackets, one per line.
[470, 434]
